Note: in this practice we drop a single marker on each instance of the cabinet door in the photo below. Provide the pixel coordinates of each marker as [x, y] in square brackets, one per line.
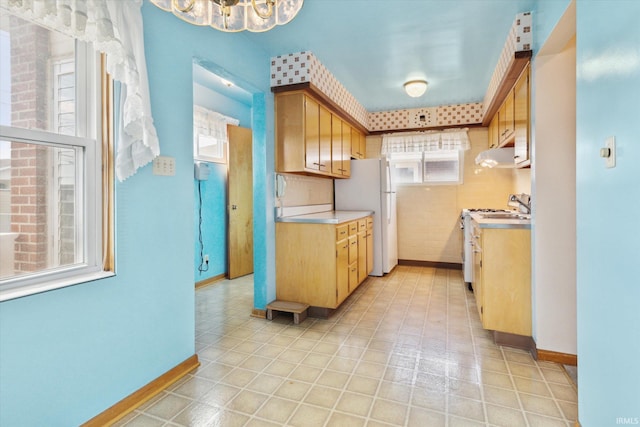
[346, 153]
[353, 249]
[356, 144]
[342, 270]
[506, 280]
[477, 273]
[312, 134]
[521, 117]
[353, 277]
[324, 122]
[337, 161]
[369, 244]
[290, 132]
[362, 255]
[493, 131]
[505, 119]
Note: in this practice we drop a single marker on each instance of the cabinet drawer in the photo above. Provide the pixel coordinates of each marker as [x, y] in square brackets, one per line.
[362, 224]
[342, 232]
[369, 223]
[353, 228]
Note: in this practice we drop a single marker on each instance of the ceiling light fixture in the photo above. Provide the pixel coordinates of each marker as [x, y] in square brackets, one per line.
[233, 15]
[415, 88]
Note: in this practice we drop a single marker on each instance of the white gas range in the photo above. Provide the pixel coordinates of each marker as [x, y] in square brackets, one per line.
[467, 238]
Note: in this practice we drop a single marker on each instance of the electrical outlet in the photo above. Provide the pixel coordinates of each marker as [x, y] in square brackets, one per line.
[206, 259]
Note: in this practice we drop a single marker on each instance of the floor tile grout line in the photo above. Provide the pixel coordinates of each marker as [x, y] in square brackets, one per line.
[362, 319]
[475, 356]
[515, 387]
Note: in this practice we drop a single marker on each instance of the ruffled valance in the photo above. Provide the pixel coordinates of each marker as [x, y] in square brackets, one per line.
[211, 123]
[115, 28]
[418, 142]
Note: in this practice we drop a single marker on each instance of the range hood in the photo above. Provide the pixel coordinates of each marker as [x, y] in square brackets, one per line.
[496, 158]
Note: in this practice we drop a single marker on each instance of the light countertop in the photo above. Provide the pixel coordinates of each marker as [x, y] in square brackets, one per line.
[327, 217]
[507, 223]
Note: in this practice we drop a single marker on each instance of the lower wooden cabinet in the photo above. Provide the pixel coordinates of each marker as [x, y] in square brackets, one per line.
[502, 279]
[322, 264]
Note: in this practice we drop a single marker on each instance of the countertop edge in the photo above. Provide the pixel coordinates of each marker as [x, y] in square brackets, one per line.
[329, 217]
[513, 224]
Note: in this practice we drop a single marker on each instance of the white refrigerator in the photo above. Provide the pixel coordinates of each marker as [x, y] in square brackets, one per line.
[371, 187]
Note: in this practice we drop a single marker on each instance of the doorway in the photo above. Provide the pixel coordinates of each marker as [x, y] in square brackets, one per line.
[214, 224]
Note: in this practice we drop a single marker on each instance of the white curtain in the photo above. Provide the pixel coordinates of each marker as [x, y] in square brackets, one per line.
[211, 123]
[448, 139]
[115, 28]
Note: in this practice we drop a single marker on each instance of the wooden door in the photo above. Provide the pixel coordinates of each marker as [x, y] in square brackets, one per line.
[240, 202]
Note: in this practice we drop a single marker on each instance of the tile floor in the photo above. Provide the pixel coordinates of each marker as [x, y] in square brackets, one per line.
[406, 349]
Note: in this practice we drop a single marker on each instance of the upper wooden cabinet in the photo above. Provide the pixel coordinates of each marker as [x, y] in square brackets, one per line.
[340, 147]
[358, 144]
[521, 96]
[505, 119]
[494, 139]
[313, 140]
[510, 124]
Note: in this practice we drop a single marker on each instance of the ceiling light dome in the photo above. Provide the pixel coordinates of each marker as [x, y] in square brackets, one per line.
[415, 88]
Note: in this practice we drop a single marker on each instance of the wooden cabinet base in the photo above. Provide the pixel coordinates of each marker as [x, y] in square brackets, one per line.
[516, 341]
[319, 264]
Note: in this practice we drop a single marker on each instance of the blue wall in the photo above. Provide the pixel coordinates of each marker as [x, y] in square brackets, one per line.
[214, 190]
[69, 354]
[608, 200]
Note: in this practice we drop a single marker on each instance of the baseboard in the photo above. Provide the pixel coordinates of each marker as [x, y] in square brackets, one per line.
[210, 280]
[260, 314]
[434, 264]
[554, 356]
[137, 398]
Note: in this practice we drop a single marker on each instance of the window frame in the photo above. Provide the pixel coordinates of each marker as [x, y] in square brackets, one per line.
[421, 161]
[94, 112]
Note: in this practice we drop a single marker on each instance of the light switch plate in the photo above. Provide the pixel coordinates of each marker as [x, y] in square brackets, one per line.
[610, 161]
[164, 166]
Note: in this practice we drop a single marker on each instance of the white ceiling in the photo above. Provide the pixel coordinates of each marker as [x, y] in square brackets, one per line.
[373, 46]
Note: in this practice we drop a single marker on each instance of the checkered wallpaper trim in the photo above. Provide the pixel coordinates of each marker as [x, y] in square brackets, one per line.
[424, 118]
[520, 38]
[303, 67]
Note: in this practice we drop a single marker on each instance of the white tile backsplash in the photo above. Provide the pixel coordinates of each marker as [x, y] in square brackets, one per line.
[307, 190]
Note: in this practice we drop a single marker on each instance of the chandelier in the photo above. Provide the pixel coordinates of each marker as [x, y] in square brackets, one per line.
[233, 15]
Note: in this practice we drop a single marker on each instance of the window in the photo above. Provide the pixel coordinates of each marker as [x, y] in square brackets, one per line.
[428, 157]
[443, 167]
[54, 224]
[428, 167]
[210, 135]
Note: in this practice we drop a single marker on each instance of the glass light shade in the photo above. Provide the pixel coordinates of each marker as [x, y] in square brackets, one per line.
[415, 88]
[242, 16]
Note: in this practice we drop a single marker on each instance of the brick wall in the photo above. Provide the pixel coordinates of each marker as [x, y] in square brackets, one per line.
[29, 163]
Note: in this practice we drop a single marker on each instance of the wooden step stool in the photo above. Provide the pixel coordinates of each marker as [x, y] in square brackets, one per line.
[299, 310]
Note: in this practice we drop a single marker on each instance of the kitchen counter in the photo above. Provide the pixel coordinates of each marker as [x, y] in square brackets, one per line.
[327, 217]
[509, 223]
